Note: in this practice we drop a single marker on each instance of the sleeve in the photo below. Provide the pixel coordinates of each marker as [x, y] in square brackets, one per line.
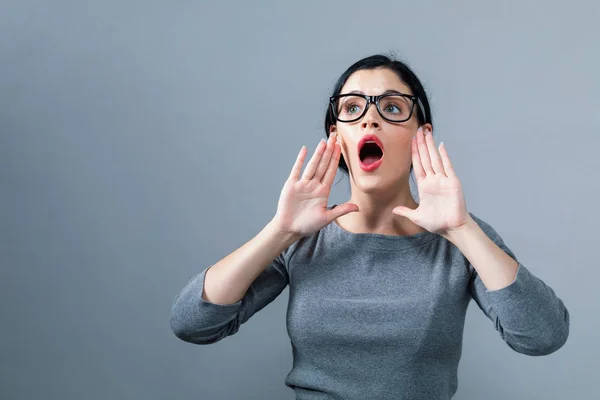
[528, 315]
[198, 321]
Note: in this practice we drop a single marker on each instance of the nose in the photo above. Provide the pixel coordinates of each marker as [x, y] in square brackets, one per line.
[371, 118]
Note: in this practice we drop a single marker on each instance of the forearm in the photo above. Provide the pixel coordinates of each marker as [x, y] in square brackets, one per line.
[496, 269]
[527, 313]
[227, 281]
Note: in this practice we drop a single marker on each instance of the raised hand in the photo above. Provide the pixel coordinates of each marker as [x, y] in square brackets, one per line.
[442, 207]
[302, 208]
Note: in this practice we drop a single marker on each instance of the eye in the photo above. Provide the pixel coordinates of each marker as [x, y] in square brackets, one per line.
[392, 108]
[395, 106]
[351, 108]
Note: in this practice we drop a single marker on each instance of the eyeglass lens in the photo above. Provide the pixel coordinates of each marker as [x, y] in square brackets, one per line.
[394, 108]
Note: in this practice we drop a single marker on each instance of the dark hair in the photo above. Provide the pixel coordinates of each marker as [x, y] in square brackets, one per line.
[405, 74]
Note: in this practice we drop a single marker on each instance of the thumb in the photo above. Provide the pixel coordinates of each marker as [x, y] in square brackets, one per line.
[405, 212]
[340, 210]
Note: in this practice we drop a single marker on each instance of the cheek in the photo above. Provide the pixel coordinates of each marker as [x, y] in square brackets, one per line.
[345, 144]
[401, 154]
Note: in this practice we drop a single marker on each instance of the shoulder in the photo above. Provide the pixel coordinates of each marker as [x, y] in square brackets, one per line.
[307, 247]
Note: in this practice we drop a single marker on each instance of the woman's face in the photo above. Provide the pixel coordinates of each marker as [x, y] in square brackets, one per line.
[394, 136]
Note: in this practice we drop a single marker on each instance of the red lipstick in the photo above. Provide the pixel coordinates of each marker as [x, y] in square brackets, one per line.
[373, 166]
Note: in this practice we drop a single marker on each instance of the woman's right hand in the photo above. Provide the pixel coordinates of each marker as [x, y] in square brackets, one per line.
[302, 208]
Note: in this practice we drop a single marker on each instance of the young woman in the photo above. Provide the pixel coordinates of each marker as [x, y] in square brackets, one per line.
[379, 286]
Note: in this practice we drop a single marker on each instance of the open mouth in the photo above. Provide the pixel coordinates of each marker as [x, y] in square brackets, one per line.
[370, 153]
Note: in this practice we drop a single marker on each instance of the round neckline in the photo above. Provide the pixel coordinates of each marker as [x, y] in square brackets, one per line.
[382, 241]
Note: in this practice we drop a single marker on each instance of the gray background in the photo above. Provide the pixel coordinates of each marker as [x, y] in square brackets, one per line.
[142, 141]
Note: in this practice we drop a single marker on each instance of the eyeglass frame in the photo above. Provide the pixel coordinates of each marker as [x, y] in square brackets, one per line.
[375, 100]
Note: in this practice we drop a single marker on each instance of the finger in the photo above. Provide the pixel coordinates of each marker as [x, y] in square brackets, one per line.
[424, 153]
[333, 165]
[326, 157]
[406, 212]
[436, 161]
[309, 172]
[446, 160]
[416, 160]
[295, 173]
[340, 210]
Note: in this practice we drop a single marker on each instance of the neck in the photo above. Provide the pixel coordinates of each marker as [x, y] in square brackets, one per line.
[375, 215]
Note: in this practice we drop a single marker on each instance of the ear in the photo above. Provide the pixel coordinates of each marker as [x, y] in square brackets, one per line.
[332, 129]
[339, 139]
[426, 127]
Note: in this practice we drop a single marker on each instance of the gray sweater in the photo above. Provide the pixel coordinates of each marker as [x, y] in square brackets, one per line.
[374, 316]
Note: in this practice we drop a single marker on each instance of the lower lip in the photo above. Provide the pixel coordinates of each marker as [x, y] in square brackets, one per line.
[371, 167]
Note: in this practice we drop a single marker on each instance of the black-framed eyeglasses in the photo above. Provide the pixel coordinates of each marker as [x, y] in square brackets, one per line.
[393, 107]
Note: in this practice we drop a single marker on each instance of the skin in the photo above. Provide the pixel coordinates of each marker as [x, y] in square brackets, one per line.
[383, 196]
[381, 201]
[379, 192]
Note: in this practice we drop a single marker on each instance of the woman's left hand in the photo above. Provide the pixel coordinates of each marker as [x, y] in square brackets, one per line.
[442, 208]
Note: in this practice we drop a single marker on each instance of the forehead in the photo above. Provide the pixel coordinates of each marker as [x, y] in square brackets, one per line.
[374, 82]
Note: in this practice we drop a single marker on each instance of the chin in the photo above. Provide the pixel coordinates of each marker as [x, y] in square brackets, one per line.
[372, 184]
[378, 182]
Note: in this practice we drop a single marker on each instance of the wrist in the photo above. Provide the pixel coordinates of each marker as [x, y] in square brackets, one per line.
[279, 234]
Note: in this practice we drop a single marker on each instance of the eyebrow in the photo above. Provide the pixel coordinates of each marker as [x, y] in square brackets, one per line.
[389, 91]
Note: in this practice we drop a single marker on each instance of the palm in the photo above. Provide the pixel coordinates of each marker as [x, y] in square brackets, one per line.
[302, 207]
[442, 206]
